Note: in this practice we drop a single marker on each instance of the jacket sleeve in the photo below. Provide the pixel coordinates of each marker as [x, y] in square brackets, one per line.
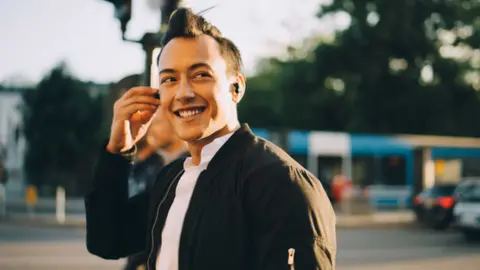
[289, 210]
[116, 225]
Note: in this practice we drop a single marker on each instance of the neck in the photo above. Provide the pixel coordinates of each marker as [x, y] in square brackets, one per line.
[173, 150]
[197, 146]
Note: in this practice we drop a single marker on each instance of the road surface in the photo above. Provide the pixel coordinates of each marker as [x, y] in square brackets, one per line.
[405, 248]
[26, 247]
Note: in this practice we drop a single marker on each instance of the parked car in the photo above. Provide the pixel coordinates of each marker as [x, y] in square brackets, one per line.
[434, 206]
[466, 212]
[464, 185]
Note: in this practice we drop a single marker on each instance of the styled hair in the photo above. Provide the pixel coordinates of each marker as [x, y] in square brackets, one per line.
[186, 24]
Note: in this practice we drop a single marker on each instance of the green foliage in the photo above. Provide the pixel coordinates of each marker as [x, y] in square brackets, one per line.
[400, 67]
[61, 126]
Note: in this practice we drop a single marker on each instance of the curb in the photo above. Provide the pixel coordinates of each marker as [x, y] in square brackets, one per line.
[43, 222]
[376, 220]
[372, 225]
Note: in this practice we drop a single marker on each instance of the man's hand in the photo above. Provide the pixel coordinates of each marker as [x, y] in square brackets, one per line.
[132, 115]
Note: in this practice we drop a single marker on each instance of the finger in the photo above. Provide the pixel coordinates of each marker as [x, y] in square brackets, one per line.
[142, 116]
[135, 107]
[140, 99]
[141, 90]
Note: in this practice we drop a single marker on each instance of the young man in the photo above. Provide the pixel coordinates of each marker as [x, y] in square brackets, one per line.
[239, 202]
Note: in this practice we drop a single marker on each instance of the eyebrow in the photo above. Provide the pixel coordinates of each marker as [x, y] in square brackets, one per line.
[190, 68]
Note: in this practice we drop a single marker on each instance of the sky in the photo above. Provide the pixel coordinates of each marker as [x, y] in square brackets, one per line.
[35, 35]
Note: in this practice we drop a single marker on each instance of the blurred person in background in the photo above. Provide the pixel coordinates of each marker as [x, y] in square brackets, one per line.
[159, 147]
[238, 202]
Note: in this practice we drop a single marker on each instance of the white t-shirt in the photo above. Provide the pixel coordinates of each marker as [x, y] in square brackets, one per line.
[167, 258]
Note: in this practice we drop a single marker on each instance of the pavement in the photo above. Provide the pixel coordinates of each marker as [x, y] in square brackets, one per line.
[402, 248]
[42, 248]
[44, 215]
[45, 205]
[378, 219]
[40, 219]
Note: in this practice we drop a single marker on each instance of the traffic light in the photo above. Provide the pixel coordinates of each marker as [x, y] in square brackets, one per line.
[123, 12]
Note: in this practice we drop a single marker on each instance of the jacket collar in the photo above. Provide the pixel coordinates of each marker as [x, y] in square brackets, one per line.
[232, 149]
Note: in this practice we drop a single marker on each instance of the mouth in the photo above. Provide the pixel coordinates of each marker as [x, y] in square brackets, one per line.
[190, 112]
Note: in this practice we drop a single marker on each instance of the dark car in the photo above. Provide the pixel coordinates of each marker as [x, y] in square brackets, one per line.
[434, 206]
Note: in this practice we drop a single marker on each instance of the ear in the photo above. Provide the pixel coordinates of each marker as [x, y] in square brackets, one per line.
[239, 80]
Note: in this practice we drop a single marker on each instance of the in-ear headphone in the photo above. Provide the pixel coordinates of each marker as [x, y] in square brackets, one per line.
[237, 88]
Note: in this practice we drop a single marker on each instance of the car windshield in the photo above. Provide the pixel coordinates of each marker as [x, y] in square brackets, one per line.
[465, 186]
[440, 191]
[472, 194]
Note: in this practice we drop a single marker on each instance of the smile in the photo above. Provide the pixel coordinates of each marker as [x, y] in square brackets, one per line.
[189, 112]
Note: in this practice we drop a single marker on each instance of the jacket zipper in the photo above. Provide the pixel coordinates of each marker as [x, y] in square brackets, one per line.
[156, 217]
[291, 258]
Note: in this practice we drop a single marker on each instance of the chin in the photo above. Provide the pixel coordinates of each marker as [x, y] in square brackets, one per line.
[190, 134]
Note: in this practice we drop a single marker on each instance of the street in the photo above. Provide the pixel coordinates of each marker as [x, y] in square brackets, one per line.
[42, 248]
[27, 247]
[405, 248]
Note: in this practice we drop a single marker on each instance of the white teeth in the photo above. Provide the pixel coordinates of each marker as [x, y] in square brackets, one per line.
[189, 113]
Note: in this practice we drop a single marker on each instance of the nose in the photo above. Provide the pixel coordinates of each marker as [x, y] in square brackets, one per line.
[185, 91]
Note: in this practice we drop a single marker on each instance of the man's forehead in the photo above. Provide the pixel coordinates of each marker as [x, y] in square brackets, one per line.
[186, 51]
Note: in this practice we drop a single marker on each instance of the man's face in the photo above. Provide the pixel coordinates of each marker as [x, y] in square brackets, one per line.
[160, 133]
[195, 88]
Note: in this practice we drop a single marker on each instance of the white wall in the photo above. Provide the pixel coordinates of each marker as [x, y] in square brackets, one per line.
[10, 119]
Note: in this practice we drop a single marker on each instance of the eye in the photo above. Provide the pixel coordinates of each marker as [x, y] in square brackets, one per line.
[167, 80]
[201, 75]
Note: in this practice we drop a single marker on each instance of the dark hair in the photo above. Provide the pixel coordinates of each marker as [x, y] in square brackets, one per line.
[184, 23]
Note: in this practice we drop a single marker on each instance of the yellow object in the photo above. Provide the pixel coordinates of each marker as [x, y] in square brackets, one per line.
[31, 195]
[439, 167]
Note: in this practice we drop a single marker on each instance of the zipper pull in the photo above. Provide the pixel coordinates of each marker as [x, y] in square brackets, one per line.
[291, 257]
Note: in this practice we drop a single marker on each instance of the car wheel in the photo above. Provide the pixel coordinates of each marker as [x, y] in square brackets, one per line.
[441, 225]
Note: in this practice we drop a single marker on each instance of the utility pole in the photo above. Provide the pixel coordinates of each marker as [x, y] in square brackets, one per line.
[149, 41]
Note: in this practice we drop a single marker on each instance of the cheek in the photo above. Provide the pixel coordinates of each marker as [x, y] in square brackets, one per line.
[218, 101]
[167, 117]
[215, 107]
[222, 104]
[166, 96]
[164, 102]
[164, 108]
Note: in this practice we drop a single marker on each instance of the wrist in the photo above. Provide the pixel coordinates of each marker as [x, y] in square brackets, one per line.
[128, 154]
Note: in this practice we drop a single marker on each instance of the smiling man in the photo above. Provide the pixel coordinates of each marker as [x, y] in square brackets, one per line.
[239, 201]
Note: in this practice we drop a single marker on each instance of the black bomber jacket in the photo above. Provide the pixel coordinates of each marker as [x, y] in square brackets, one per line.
[254, 207]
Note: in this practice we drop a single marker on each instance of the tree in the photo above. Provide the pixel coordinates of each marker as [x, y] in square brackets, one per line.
[397, 67]
[61, 126]
[394, 61]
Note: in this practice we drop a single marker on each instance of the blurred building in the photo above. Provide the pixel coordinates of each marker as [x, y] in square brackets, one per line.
[12, 141]
[390, 168]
